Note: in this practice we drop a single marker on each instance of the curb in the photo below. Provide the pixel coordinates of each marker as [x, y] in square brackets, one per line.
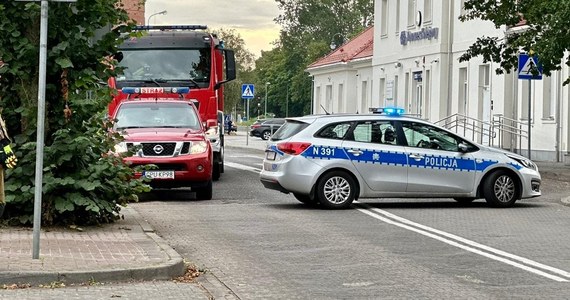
[173, 267]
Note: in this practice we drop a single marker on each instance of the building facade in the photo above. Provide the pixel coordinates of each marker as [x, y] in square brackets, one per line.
[415, 65]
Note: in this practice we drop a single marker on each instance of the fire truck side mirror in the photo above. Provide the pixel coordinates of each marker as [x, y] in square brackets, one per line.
[229, 57]
[230, 65]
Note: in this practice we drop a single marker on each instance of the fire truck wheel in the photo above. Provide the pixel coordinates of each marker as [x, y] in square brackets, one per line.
[216, 171]
[205, 193]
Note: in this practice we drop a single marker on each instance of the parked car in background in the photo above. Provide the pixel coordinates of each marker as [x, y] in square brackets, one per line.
[267, 128]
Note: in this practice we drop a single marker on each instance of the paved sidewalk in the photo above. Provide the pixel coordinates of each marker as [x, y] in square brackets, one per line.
[126, 250]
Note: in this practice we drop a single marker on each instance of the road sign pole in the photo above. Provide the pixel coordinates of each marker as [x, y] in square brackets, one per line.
[529, 114]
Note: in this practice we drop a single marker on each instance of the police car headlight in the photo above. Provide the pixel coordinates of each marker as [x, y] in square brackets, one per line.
[524, 162]
[198, 147]
[121, 148]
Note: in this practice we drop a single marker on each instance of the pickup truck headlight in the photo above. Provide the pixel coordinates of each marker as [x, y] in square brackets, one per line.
[198, 147]
[524, 162]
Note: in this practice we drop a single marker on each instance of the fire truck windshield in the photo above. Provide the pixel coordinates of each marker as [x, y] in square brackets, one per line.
[164, 65]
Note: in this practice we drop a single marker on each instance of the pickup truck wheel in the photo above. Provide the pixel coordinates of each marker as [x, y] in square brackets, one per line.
[216, 171]
[205, 193]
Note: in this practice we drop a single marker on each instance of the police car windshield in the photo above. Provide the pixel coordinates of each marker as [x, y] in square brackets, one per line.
[140, 65]
[156, 115]
[289, 129]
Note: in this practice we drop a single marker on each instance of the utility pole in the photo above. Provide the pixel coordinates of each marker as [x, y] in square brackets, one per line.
[41, 126]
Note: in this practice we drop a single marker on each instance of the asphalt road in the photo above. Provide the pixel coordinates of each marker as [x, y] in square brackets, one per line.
[265, 245]
[262, 244]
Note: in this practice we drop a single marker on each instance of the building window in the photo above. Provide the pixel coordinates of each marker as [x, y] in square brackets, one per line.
[428, 11]
[364, 102]
[396, 91]
[397, 16]
[411, 13]
[328, 100]
[318, 99]
[340, 98]
[547, 98]
[383, 96]
[525, 99]
[463, 92]
[384, 19]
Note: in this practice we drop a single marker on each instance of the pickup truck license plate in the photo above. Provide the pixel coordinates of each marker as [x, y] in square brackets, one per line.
[159, 174]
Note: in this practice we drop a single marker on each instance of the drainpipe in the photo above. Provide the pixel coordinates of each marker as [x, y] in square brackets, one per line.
[450, 56]
[557, 116]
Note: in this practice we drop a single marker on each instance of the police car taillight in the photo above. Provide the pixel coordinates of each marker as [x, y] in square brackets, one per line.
[293, 148]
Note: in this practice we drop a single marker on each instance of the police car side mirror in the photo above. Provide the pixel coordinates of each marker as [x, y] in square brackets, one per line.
[463, 147]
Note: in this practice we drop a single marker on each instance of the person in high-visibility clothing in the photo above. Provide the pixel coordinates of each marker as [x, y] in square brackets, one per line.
[7, 160]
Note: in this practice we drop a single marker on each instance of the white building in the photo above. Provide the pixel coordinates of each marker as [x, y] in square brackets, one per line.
[415, 65]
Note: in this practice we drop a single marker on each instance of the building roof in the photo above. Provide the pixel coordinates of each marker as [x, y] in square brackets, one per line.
[361, 46]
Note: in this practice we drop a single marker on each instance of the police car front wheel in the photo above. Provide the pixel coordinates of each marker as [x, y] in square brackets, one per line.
[501, 189]
[336, 190]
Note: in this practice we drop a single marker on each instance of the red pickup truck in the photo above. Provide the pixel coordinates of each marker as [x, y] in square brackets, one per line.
[168, 133]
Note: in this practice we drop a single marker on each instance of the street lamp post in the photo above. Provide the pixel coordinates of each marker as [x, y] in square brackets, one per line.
[333, 44]
[158, 13]
[265, 114]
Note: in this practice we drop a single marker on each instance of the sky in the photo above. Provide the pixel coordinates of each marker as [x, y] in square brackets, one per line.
[252, 19]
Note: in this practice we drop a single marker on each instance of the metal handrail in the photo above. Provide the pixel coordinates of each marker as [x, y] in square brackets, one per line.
[457, 121]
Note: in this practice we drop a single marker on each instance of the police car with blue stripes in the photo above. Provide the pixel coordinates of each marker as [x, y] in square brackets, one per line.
[332, 160]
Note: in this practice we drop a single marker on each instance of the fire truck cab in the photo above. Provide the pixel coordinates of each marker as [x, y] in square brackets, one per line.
[183, 56]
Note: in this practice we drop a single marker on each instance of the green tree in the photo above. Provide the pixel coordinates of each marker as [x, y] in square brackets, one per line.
[244, 65]
[308, 28]
[81, 183]
[544, 32]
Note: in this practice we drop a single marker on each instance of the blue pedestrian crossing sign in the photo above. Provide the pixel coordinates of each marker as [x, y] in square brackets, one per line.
[528, 64]
[247, 91]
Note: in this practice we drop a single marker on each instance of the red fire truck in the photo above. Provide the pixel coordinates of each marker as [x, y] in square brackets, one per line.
[164, 58]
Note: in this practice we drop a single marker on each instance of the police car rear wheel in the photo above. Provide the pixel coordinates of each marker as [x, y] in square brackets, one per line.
[500, 189]
[336, 190]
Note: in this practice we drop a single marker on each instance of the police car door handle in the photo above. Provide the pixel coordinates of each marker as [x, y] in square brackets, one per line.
[355, 152]
[416, 156]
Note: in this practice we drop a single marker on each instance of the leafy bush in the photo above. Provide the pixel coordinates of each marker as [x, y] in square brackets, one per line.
[82, 184]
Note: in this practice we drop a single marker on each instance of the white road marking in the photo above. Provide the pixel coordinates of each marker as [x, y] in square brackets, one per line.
[242, 167]
[468, 245]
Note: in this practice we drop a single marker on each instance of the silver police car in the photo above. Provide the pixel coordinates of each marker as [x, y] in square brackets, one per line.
[333, 160]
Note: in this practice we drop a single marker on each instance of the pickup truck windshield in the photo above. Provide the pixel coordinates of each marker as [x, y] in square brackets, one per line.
[156, 115]
[165, 65]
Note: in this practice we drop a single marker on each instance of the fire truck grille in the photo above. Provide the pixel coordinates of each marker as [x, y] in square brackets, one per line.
[158, 149]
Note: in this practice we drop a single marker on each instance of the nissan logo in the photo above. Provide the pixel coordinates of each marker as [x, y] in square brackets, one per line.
[158, 149]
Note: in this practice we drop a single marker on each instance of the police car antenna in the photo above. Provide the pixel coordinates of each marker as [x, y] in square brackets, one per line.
[325, 109]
